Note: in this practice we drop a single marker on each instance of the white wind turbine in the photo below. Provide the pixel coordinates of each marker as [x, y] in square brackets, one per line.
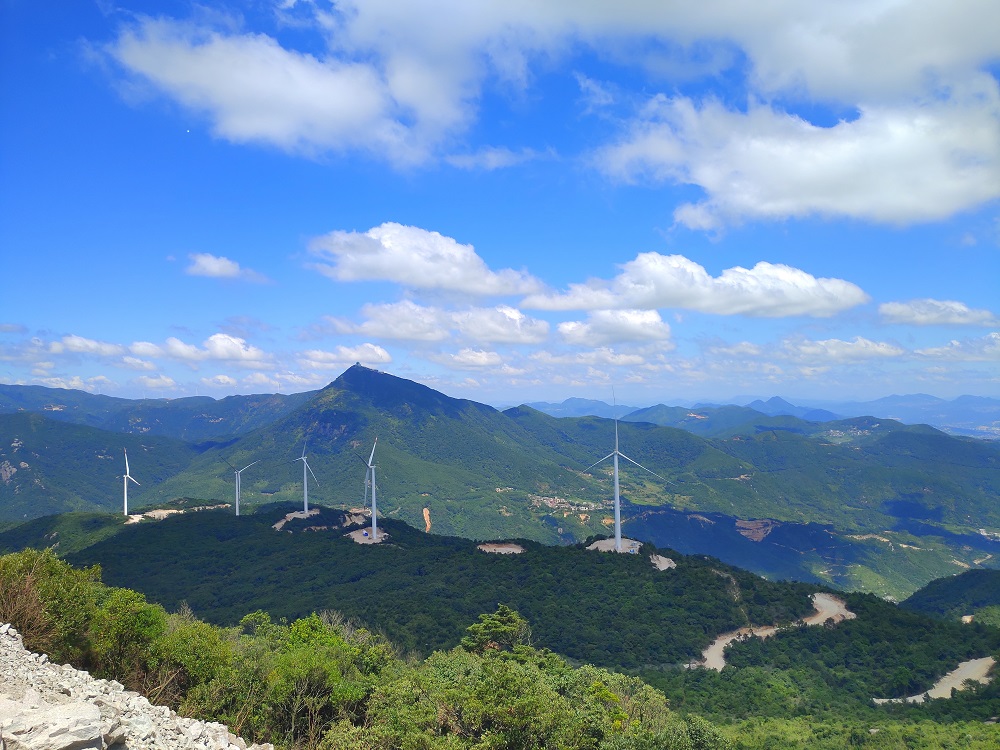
[125, 480]
[370, 479]
[305, 479]
[618, 512]
[238, 472]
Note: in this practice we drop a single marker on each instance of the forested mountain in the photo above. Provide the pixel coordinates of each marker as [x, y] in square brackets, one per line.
[893, 506]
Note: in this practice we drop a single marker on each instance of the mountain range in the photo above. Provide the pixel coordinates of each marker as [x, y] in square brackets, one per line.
[862, 503]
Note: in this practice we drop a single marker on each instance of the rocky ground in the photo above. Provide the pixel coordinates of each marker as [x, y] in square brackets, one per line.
[45, 706]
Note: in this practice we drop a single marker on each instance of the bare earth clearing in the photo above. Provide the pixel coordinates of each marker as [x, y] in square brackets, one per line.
[502, 548]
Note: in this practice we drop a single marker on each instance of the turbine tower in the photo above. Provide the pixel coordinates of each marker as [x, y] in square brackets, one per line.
[370, 478]
[125, 480]
[238, 472]
[305, 479]
[618, 512]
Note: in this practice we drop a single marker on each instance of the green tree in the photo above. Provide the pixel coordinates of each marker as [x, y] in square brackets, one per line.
[501, 630]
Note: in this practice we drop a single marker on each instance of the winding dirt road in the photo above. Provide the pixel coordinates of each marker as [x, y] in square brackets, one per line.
[827, 608]
[976, 670]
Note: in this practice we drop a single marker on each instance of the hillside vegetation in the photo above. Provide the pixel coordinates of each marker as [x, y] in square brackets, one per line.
[900, 505]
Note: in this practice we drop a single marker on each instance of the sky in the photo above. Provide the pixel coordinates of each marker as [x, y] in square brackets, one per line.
[509, 201]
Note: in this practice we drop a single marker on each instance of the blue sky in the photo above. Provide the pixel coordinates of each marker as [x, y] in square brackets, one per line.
[508, 201]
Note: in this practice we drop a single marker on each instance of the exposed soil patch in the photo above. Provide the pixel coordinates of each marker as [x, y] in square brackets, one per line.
[629, 546]
[501, 548]
[756, 531]
[662, 563]
[365, 536]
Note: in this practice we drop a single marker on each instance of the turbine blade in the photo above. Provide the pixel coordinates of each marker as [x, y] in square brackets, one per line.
[304, 446]
[597, 462]
[249, 465]
[128, 477]
[126, 461]
[372, 456]
[645, 469]
[311, 471]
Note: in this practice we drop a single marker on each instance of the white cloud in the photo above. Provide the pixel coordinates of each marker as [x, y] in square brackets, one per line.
[603, 356]
[403, 321]
[656, 281]
[741, 349]
[616, 326]
[134, 363]
[344, 355]
[261, 379]
[80, 345]
[145, 349]
[838, 350]
[896, 164]
[932, 312]
[501, 324]
[491, 158]
[217, 347]
[219, 381]
[408, 321]
[254, 90]
[12, 328]
[469, 359]
[159, 382]
[415, 258]
[218, 267]
[985, 349]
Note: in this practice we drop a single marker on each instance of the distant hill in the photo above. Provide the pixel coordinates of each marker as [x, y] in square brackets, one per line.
[196, 418]
[52, 467]
[778, 407]
[581, 407]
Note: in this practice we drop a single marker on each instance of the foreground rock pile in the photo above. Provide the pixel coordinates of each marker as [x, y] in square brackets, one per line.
[46, 706]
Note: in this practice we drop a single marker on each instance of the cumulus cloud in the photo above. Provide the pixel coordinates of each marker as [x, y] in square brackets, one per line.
[985, 349]
[256, 91]
[135, 363]
[932, 312]
[219, 347]
[838, 350]
[501, 324]
[219, 381]
[415, 258]
[469, 359]
[344, 355]
[894, 164]
[398, 81]
[158, 382]
[218, 267]
[80, 345]
[603, 356]
[403, 321]
[408, 321]
[654, 281]
[616, 326]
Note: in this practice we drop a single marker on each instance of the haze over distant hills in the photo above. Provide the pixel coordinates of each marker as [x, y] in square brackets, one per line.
[861, 502]
[973, 416]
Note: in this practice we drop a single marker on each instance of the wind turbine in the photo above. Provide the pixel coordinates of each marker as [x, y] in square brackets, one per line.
[305, 479]
[125, 481]
[370, 478]
[238, 472]
[618, 512]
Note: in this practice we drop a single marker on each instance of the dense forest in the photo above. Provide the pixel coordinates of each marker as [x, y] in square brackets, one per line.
[324, 681]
